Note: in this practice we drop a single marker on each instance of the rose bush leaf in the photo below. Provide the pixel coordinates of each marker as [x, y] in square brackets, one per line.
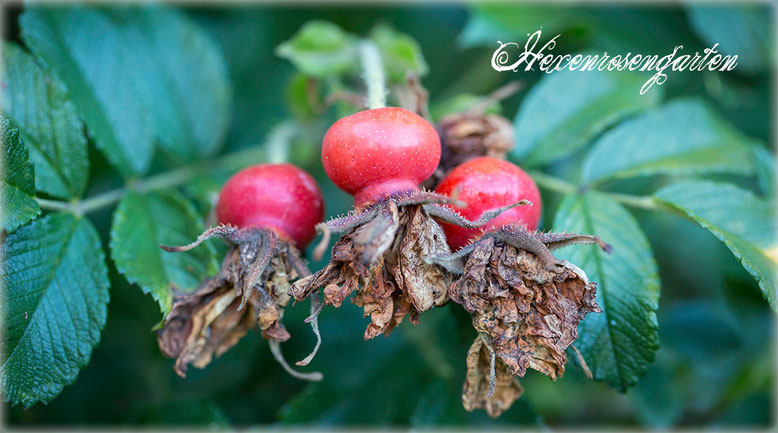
[746, 25]
[491, 22]
[568, 109]
[765, 169]
[38, 104]
[744, 222]
[135, 81]
[17, 188]
[192, 93]
[140, 225]
[97, 78]
[320, 49]
[400, 53]
[682, 137]
[55, 292]
[619, 343]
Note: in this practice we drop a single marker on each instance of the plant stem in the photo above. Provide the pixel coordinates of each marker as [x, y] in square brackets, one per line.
[55, 205]
[373, 74]
[553, 183]
[242, 158]
[279, 140]
[636, 201]
[169, 179]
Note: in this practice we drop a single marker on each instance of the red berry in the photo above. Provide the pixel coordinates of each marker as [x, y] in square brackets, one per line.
[375, 153]
[488, 183]
[281, 197]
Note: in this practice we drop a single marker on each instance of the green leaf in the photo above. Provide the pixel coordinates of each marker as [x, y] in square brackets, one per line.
[619, 343]
[489, 23]
[764, 168]
[301, 95]
[638, 29]
[738, 29]
[400, 53]
[320, 49]
[745, 223]
[17, 188]
[136, 76]
[39, 106]
[459, 103]
[568, 109]
[682, 137]
[192, 99]
[140, 225]
[55, 286]
[107, 76]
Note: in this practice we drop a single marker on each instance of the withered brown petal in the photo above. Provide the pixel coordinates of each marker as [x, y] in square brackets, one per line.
[206, 323]
[203, 324]
[529, 312]
[383, 261]
[375, 297]
[425, 284]
[378, 235]
[475, 392]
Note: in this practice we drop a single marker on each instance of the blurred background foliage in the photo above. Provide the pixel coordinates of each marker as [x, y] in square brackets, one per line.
[715, 366]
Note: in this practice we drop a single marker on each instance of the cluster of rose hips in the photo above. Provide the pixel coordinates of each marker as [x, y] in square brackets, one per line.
[403, 250]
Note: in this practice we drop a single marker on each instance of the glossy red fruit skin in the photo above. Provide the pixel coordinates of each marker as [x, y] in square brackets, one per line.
[281, 197]
[488, 183]
[379, 152]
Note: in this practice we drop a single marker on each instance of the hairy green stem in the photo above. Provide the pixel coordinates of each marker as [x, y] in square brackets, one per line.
[169, 179]
[279, 141]
[56, 205]
[636, 201]
[373, 74]
[553, 183]
[239, 159]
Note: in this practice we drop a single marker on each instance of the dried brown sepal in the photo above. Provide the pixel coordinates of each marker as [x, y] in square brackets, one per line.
[524, 302]
[527, 302]
[412, 96]
[465, 136]
[256, 272]
[381, 257]
[488, 385]
[203, 324]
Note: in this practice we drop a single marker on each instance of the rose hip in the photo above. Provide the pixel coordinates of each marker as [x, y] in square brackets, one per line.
[281, 197]
[485, 184]
[381, 152]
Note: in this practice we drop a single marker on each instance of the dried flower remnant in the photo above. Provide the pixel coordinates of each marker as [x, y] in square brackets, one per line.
[380, 256]
[488, 385]
[474, 133]
[257, 273]
[466, 136]
[525, 305]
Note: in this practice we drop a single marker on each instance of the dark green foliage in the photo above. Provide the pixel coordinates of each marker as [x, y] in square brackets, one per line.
[18, 184]
[55, 291]
[168, 102]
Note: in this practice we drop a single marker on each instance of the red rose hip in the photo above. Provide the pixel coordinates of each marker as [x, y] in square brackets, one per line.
[281, 197]
[488, 183]
[376, 153]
